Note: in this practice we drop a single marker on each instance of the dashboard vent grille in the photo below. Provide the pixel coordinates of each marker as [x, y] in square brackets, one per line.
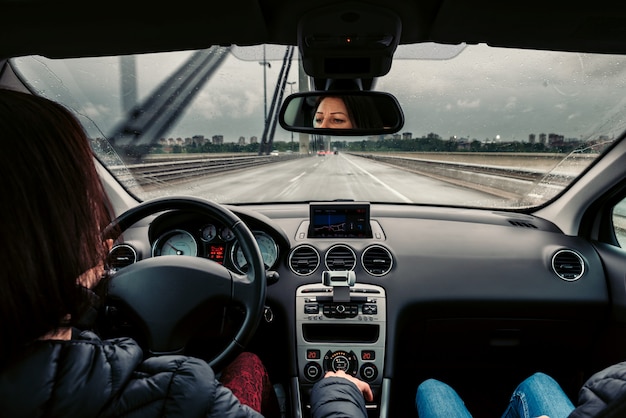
[121, 256]
[568, 265]
[340, 258]
[522, 224]
[304, 260]
[377, 260]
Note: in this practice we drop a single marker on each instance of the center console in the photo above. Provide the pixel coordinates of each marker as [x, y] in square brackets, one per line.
[341, 325]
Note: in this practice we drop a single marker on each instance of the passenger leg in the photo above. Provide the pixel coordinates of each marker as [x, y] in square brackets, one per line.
[437, 399]
[536, 396]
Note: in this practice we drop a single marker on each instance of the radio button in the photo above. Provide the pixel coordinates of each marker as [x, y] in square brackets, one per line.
[369, 372]
[312, 371]
[370, 309]
[311, 309]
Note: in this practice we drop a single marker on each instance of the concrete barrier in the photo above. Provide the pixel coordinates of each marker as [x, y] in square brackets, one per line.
[506, 175]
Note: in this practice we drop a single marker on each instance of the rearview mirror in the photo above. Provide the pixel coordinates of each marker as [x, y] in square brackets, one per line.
[341, 113]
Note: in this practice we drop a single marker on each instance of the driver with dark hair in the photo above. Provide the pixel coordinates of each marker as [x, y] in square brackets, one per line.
[55, 210]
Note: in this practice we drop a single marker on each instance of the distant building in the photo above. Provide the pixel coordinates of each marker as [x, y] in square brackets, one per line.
[556, 140]
[198, 140]
[407, 135]
[218, 139]
[543, 139]
[532, 138]
[254, 140]
[242, 140]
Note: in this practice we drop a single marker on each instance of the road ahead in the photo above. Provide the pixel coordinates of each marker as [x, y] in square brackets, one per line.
[325, 178]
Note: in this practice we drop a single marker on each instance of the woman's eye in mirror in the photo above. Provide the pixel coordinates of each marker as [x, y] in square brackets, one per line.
[333, 112]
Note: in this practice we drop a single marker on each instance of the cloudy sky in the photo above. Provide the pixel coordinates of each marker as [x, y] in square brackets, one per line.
[482, 93]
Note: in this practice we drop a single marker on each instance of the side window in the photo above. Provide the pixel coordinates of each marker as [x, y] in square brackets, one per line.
[619, 222]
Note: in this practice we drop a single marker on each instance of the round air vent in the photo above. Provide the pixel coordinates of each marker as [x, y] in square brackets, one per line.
[377, 260]
[121, 256]
[304, 260]
[340, 258]
[568, 265]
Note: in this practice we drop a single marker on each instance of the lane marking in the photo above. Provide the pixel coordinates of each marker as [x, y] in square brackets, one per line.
[376, 179]
[297, 177]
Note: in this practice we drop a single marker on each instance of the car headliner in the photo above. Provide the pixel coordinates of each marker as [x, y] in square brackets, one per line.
[71, 28]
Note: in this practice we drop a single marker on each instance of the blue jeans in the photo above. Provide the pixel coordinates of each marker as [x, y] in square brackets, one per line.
[537, 395]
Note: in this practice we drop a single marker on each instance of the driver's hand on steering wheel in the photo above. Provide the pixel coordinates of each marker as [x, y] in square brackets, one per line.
[364, 387]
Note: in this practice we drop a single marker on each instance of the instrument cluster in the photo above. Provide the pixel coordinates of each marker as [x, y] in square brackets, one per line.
[204, 238]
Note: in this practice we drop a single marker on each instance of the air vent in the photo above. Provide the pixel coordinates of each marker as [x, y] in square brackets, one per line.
[304, 260]
[522, 224]
[340, 258]
[568, 265]
[121, 256]
[377, 260]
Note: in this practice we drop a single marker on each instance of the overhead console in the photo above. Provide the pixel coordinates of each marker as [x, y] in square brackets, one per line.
[349, 40]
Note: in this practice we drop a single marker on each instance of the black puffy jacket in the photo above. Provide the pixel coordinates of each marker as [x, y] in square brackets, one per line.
[336, 397]
[89, 377]
[603, 395]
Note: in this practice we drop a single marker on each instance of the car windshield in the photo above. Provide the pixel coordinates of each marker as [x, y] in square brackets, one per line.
[484, 126]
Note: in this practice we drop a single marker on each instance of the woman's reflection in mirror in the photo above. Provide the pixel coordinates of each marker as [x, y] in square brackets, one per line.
[346, 112]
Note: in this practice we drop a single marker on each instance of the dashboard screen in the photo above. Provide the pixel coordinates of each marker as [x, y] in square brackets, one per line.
[339, 220]
[216, 253]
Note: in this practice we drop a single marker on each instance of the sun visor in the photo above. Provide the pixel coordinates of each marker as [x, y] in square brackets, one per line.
[348, 40]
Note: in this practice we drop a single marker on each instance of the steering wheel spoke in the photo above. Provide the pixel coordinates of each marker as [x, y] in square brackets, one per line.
[244, 290]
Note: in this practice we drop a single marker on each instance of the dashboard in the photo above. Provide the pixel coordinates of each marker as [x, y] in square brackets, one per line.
[408, 287]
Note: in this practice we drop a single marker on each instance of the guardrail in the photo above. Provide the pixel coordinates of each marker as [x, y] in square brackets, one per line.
[166, 168]
[505, 180]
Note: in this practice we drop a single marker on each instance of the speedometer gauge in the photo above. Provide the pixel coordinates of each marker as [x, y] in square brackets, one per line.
[269, 252]
[175, 242]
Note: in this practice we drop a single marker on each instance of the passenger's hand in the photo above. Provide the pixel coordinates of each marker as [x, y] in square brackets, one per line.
[364, 387]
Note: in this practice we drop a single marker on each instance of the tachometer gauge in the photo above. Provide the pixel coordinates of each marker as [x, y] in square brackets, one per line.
[209, 232]
[226, 234]
[268, 247]
[175, 242]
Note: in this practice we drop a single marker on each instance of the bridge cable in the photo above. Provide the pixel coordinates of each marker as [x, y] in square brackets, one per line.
[267, 139]
[149, 121]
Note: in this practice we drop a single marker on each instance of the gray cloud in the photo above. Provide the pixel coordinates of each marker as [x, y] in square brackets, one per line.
[481, 93]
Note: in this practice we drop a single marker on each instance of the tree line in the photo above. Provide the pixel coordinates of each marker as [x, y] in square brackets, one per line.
[430, 143]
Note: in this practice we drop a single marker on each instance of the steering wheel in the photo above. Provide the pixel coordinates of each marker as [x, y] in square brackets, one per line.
[165, 293]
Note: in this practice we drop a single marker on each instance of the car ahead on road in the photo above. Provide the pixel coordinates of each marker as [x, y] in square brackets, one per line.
[474, 235]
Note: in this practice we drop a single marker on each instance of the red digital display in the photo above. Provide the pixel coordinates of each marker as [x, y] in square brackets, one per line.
[313, 354]
[216, 253]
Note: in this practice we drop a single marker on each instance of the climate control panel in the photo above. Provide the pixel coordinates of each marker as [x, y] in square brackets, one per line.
[337, 331]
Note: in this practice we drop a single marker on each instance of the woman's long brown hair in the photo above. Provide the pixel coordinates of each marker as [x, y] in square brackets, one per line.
[53, 210]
